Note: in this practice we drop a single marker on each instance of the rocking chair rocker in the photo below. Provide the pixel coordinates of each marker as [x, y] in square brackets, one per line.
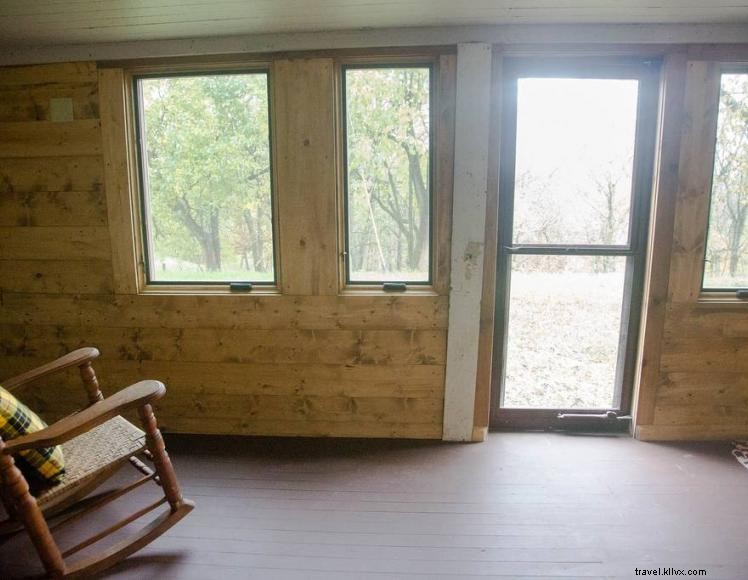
[96, 442]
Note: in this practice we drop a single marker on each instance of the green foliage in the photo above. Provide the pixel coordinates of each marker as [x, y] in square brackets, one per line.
[208, 171]
[389, 198]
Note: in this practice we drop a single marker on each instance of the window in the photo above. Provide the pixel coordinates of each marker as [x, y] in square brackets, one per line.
[575, 153]
[388, 167]
[574, 161]
[572, 202]
[205, 170]
[726, 259]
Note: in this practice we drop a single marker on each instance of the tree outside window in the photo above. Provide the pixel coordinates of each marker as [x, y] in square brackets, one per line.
[206, 176]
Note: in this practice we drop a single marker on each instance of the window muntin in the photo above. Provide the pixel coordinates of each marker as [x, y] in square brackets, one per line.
[388, 173]
[726, 258]
[206, 177]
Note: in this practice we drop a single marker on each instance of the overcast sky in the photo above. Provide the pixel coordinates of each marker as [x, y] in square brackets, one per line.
[570, 132]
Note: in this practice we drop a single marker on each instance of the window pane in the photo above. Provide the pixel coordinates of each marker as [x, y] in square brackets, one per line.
[575, 151]
[563, 331]
[207, 178]
[388, 169]
[726, 265]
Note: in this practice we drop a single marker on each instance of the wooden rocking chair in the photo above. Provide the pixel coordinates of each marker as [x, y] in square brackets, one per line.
[96, 442]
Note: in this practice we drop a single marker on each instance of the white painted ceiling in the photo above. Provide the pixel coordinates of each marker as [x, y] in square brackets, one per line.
[59, 22]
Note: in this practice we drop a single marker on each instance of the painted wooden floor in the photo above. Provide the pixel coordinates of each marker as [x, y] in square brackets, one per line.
[518, 506]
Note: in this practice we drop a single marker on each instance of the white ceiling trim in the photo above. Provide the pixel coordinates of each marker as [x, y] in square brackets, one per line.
[60, 22]
[420, 36]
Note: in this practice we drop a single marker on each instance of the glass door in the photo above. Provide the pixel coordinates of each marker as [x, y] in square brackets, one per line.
[575, 177]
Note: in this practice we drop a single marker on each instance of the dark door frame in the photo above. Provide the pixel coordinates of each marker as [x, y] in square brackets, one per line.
[647, 72]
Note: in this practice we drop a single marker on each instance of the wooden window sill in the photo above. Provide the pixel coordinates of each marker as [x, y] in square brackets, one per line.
[376, 290]
[720, 299]
[207, 290]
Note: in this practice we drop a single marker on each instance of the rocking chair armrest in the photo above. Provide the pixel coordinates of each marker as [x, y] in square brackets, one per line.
[72, 359]
[65, 429]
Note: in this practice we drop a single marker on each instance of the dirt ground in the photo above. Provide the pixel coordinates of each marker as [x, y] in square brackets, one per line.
[563, 339]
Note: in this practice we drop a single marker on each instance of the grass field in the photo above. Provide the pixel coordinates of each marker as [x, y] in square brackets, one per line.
[222, 276]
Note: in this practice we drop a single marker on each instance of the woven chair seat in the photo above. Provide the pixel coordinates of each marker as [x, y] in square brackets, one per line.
[93, 452]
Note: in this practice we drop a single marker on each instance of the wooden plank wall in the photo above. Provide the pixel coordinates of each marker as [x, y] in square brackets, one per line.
[313, 361]
[308, 361]
[695, 374]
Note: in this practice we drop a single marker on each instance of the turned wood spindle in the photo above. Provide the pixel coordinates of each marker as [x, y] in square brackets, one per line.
[91, 383]
[10, 509]
[161, 461]
[28, 512]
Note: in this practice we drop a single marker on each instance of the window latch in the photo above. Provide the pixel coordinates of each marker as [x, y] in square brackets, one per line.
[606, 416]
[394, 287]
[240, 286]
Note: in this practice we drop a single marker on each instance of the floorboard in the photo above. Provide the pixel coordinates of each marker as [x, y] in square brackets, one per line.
[521, 505]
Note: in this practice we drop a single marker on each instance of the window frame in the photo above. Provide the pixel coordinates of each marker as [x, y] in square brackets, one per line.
[589, 68]
[432, 65]
[707, 293]
[140, 178]
[647, 71]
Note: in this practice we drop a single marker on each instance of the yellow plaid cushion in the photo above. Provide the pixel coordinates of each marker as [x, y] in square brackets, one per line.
[17, 419]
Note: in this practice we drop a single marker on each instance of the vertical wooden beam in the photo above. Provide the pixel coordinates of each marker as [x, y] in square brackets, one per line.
[304, 125]
[683, 193]
[117, 179]
[482, 412]
[694, 180]
[660, 240]
[444, 170]
[468, 226]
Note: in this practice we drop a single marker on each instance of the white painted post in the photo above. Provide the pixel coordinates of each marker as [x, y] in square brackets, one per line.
[468, 224]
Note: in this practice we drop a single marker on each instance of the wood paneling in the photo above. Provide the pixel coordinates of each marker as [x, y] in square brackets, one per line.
[49, 139]
[120, 195]
[714, 430]
[61, 243]
[306, 361]
[45, 74]
[51, 174]
[195, 380]
[52, 208]
[694, 180]
[662, 220]
[444, 170]
[693, 382]
[233, 345]
[248, 395]
[32, 103]
[698, 355]
[56, 276]
[304, 91]
[229, 311]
